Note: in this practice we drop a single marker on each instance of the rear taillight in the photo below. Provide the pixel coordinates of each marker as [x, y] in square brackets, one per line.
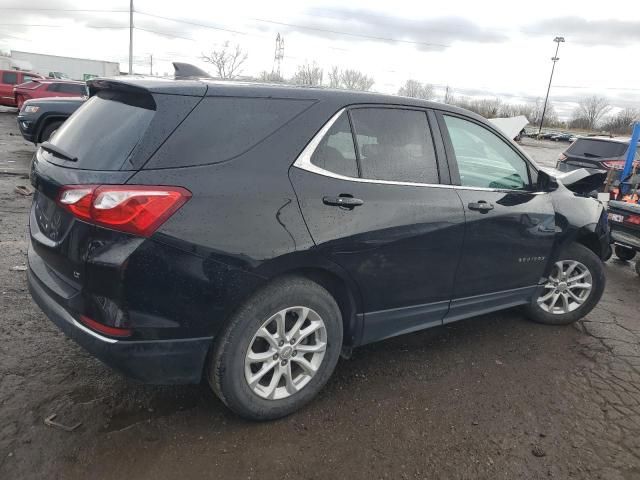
[632, 219]
[137, 209]
[613, 164]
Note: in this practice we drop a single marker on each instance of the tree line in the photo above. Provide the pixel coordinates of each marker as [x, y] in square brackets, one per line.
[592, 113]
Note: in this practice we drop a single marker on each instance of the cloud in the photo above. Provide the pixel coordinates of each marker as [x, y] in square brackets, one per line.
[589, 32]
[360, 24]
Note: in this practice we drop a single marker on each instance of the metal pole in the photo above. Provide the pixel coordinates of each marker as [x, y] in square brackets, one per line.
[628, 164]
[130, 37]
[546, 99]
[151, 64]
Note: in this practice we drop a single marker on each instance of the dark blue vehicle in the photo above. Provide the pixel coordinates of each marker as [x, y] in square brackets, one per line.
[251, 233]
[39, 118]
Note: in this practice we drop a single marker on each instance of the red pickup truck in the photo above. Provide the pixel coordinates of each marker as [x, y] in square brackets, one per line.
[8, 80]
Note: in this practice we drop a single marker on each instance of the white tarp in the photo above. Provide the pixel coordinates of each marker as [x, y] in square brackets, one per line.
[510, 126]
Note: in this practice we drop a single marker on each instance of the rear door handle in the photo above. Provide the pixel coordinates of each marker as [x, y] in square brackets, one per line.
[342, 200]
[481, 206]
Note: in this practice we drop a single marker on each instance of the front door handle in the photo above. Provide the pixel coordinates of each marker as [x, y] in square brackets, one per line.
[482, 206]
[343, 200]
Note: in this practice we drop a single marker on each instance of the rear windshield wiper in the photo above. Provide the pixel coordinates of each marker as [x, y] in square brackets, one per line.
[591, 155]
[58, 152]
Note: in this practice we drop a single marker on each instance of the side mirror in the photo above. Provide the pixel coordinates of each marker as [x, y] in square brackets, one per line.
[546, 183]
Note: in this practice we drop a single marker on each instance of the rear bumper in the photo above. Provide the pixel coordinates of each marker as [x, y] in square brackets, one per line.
[150, 361]
[626, 238]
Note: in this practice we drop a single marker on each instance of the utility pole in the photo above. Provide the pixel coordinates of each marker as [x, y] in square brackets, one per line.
[279, 55]
[555, 58]
[151, 55]
[130, 37]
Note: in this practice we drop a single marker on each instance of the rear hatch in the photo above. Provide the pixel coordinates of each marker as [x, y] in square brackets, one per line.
[592, 152]
[104, 142]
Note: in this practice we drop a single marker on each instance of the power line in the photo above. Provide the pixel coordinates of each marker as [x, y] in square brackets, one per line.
[64, 10]
[202, 25]
[55, 26]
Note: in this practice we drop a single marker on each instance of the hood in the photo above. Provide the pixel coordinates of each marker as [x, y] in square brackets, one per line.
[581, 180]
[57, 100]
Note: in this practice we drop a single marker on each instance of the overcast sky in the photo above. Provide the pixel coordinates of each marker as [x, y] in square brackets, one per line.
[479, 48]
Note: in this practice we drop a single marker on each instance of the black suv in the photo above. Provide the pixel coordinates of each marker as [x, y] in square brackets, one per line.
[596, 153]
[40, 117]
[251, 233]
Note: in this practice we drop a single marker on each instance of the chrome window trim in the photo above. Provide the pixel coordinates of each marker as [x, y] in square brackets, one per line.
[303, 162]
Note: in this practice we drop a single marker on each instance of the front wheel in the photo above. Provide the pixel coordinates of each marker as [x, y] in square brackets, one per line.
[573, 288]
[278, 350]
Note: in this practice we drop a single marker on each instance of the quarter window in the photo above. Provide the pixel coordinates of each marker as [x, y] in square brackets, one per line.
[336, 152]
[484, 159]
[395, 144]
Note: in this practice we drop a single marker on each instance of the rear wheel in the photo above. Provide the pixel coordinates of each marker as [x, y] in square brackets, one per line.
[278, 350]
[625, 253]
[573, 288]
[48, 130]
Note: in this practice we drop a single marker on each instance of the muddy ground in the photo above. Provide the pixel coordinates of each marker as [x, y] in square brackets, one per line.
[494, 397]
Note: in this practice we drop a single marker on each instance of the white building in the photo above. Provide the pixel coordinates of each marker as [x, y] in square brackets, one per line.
[69, 67]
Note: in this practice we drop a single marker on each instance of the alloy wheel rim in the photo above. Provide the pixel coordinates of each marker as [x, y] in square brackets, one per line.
[285, 353]
[567, 288]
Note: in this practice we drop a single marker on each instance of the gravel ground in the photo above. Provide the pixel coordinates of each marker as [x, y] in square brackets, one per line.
[494, 397]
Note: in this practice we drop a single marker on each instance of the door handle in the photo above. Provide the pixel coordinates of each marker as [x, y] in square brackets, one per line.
[343, 200]
[482, 206]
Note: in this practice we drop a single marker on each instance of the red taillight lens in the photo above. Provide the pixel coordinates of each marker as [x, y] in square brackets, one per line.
[107, 330]
[137, 209]
[633, 219]
[614, 164]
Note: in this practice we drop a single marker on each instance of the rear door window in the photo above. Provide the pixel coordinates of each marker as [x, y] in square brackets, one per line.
[72, 88]
[592, 148]
[10, 78]
[101, 134]
[222, 128]
[395, 144]
[336, 152]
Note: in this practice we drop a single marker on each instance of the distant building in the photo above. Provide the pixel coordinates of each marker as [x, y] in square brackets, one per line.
[60, 67]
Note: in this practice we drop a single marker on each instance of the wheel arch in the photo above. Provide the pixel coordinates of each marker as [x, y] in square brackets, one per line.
[45, 121]
[336, 281]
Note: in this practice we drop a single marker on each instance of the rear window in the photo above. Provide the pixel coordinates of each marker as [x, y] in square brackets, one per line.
[102, 133]
[591, 148]
[221, 128]
[73, 88]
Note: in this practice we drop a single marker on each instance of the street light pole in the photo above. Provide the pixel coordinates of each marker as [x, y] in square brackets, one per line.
[131, 37]
[555, 58]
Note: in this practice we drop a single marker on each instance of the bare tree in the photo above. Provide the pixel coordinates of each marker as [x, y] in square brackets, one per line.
[227, 60]
[349, 79]
[415, 89]
[308, 74]
[590, 111]
[270, 77]
[622, 122]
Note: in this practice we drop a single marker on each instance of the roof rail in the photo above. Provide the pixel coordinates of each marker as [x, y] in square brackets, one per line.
[186, 70]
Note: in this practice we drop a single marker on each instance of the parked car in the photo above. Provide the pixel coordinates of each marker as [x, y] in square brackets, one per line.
[625, 229]
[562, 137]
[249, 234]
[596, 153]
[9, 79]
[38, 88]
[38, 119]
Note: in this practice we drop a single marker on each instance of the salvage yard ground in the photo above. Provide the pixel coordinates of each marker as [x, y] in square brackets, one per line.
[494, 397]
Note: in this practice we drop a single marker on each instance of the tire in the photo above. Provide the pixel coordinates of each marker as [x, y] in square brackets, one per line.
[625, 253]
[563, 313]
[48, 130]
[229, 374]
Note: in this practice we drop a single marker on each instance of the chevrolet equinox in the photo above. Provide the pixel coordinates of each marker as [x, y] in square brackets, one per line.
[250, 234]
